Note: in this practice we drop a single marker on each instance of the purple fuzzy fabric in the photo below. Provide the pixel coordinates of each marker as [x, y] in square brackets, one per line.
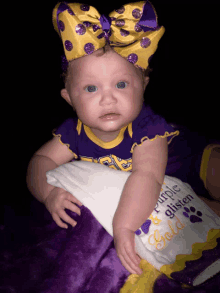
[80, 259]
[45, 258]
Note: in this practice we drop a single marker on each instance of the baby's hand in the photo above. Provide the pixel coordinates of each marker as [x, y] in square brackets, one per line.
[58, 200]
[125, 248]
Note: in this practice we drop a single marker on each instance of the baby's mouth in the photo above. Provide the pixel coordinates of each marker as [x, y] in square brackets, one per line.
[109, 116]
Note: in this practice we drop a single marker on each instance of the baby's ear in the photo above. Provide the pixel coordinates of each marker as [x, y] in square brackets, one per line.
[65, 95]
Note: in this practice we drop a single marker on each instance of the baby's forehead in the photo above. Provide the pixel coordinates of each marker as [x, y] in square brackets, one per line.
[95, 66]
[83, 74]
[99, 64]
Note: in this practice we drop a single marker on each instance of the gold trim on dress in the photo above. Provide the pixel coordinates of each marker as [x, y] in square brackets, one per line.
[167, 134]
[66, 144]
[105, 145]
[79, 127]
[130, 131]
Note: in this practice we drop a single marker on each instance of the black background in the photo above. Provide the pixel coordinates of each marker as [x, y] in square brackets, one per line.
[184, 85]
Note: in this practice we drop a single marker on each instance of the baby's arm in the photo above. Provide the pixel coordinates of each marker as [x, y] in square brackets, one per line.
[140, 194]
[142, 189]
[48, 157]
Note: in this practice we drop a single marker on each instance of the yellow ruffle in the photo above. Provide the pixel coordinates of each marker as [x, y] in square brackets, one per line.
[66, 144]
[143, 283]
[197, 249]
[167, 134]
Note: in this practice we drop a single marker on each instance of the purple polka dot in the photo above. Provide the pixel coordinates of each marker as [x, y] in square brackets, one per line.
[192, 209]
[124, 33]
[119, 22]
[133, 58]
[68, 45]
[70, 12]
[136, 13]
[137, 28]
[80, 29]
[61, 26]
[96, 27]
[87, 23]
[84, 7]
[145, 42]
[101, 36]
[120, 10]
[113, 18]
[89, 48]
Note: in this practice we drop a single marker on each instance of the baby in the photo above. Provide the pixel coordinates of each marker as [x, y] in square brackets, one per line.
[113, 125]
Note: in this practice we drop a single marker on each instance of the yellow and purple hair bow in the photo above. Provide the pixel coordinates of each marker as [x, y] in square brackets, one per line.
[132, 31]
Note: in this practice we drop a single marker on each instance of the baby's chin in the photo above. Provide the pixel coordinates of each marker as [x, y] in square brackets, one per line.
[107, 132]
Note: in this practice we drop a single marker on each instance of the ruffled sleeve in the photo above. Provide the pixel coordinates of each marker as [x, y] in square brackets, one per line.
[150, 126]
[67, 134]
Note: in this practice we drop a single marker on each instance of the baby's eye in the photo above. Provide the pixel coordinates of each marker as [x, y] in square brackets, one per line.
[91, 88]
[121, 85]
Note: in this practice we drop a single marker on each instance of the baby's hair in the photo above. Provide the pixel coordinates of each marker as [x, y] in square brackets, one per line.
[106, 49]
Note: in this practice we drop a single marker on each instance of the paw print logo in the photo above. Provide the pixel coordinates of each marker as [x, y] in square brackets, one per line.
[193, 218]
[144, 227]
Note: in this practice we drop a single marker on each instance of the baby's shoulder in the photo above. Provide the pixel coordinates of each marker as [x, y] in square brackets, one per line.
[146, 118]
[67, 126]
[150, 125]
[55, 150]
[60, 147]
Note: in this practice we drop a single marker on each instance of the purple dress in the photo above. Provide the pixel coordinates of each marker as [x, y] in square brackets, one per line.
[116, 154]
[184, 147]
[44, 258]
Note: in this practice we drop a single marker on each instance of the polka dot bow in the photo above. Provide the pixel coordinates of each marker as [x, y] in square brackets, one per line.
[132, 31]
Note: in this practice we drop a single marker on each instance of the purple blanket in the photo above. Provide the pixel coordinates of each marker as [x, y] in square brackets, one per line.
[45, 258]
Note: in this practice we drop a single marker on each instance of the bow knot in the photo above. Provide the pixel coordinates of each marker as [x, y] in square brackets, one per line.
[132, 31]
[106, 26]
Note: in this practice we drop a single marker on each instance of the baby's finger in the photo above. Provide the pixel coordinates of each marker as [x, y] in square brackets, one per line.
[74, 199]
[72, 207]
[59, 222]
[131, 253]
[131, 257]
[63, 215]
[127, 265]
[138, 259]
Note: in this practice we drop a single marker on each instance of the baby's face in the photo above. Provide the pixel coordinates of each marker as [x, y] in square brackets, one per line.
[106, 92]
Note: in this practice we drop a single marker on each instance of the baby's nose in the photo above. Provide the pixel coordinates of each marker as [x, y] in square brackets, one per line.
[108, 98]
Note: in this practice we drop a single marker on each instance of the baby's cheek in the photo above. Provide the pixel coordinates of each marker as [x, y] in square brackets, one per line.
[137, 93]
[137, 86]
[75, 96]
[76, 92]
